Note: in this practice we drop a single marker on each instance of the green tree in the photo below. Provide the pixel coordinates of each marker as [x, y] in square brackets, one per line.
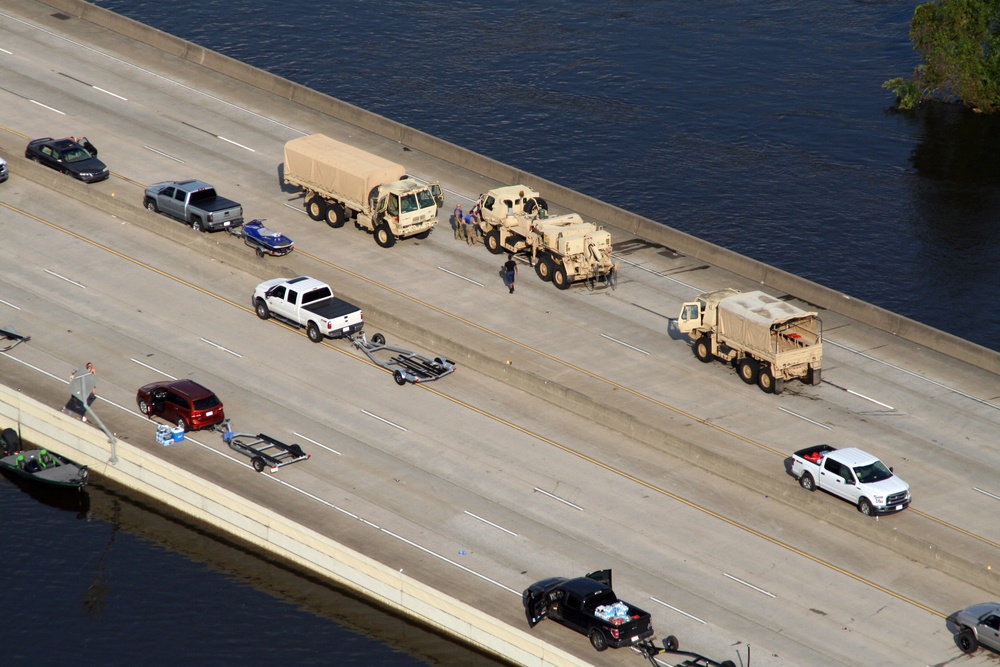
[960, 46]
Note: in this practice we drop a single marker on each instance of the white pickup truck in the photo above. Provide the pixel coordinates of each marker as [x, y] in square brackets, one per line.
[307, 302]
[852, 474]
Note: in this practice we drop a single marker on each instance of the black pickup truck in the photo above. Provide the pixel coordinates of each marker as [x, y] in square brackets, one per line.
[588, 605]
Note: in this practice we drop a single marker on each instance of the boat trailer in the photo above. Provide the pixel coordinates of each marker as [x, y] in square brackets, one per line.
[406, 366]
[263, 450]
[8, 333]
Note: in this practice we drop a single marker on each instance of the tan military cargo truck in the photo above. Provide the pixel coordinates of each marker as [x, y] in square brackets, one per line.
[344, 183]
[767, 340]
[564, 249]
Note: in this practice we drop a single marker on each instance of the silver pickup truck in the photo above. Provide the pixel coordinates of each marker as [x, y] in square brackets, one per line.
[194, 202]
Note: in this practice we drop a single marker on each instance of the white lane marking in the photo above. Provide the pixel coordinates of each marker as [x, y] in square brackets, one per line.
[8, 303]
[869, 398]
[562, 500]
[811, 421]
[383, 420]
[986, 493]
[679, 611]
[497, 526]
[749, 585]
[297, 209]
[108, 92]
[151, 73]
[9, 53]
[235, 144]
[46, 106]
[155, 370]
[621, 342]
[909, 372]
[72, 282]
[224, 349]
[297, 434]
[158, 152]
[655, 272]
[458, 275]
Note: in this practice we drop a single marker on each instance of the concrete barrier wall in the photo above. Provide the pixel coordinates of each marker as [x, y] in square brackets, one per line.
[588, 207]
[246, 520]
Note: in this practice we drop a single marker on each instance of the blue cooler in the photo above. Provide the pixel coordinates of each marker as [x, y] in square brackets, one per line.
[178, 434]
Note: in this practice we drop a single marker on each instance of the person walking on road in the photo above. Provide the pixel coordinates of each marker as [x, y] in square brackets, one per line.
[457, 222]
[510, 272]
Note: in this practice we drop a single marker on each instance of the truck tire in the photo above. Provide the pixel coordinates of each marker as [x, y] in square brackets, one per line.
[316, 208]
[315, 335]
[559, 278]
[492, 241]
[150, 204]
[384, 236]
[814, 376]
[807, 482]
[765, 380]
[543, 267]
[702, 349]
[197, 225]
[598, 640]
[257, 463]
[748, 370]
[335, 215]
[966, 640]
[865, 507]
[263, 312]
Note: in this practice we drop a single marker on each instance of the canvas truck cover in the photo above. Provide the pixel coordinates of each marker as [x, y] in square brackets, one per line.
[748, 318]
[326, 165]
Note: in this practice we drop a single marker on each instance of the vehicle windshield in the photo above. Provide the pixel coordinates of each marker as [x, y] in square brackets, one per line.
[874, 472]
[426, 199]
[76, 155]
[408, 203]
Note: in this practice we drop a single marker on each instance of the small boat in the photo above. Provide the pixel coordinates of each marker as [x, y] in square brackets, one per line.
[40, 465]
[264, 240]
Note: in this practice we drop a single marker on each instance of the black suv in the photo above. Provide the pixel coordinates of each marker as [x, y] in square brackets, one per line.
[68, 157]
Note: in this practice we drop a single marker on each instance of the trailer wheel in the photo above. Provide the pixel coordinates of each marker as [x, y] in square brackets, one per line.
[335, 215]
[384, 237]
[398, 376]
[748, 369]
[865, 507]
[559, 278]
[492, 241]
[807, 482]
[967, 641]
[765, 380]
[150, 205]
[257, 463]
[316, 208]
[598, 640]
[260, 252]
[703, 349]
[378, 339]
[671, 643]
[263, 312]
[543, 267]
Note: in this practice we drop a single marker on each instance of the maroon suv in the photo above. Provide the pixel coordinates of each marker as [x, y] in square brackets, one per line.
[182, 402]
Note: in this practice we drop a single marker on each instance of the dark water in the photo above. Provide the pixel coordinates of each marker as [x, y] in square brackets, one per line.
[758, 126]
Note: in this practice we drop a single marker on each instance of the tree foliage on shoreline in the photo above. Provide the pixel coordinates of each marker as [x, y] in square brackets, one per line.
[959, 41]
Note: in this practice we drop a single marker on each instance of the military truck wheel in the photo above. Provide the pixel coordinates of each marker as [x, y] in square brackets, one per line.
[703, 349]
[335, 215]
[806, 482]
[493, 241]
[765, 380]
[559, 278]
[258, 463]
[598, 640]
[378, 339]
[543, 267]
[263, 312]
[315, 335]
[865, 507]
[384, 237]
[967, 641]
[422, 235]
[316, 208]
[150, 204]
[748, 369]
[814, 376]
